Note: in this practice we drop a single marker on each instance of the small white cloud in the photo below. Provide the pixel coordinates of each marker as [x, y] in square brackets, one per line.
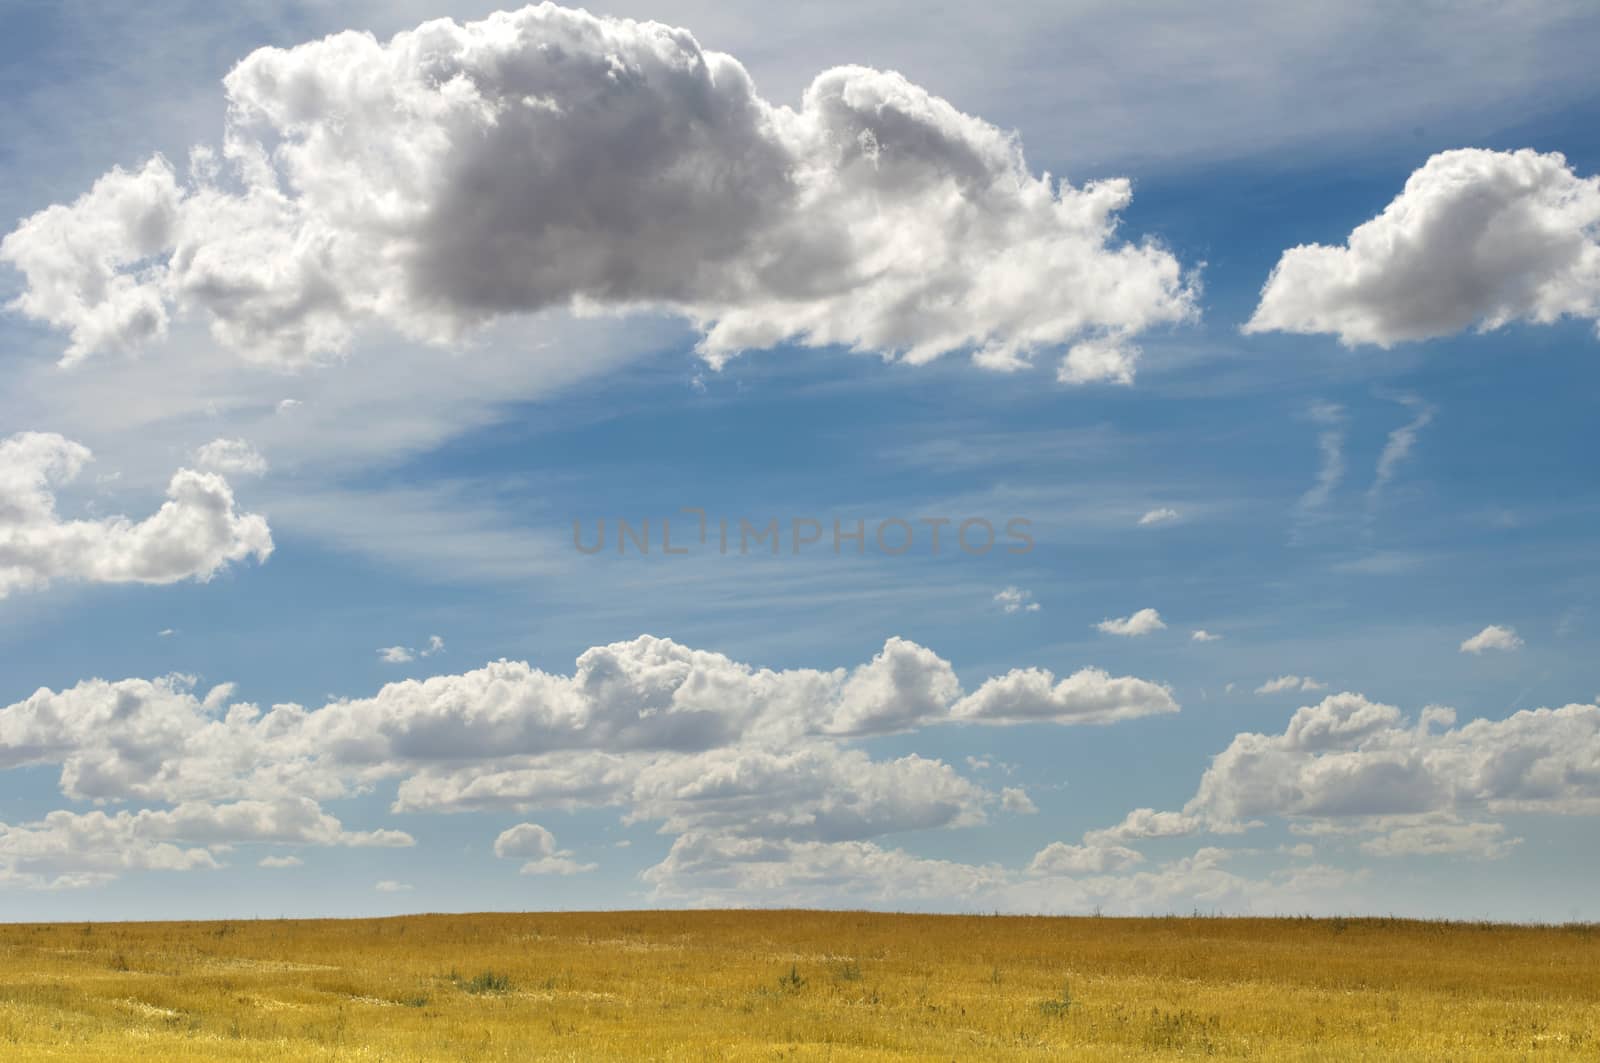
[1106, 360]
[232, 457]
[289, 405]
[1163, 515]
[391, 886]
[538, 847]
[1493, 637]
[1200, 634]
[166, 632]
[1015, 799]
[407, 654]
[1289, 682]
[281, 861]
[1016, 600]
[1141, 623]
[555, 865]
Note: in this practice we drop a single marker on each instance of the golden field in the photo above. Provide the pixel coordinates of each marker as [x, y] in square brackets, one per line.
[798, 985]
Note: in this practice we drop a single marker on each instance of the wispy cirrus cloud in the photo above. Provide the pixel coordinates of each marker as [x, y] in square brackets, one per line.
[1330, 449]
[1398, 446]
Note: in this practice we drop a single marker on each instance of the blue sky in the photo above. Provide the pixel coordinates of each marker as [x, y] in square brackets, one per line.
[426, 486]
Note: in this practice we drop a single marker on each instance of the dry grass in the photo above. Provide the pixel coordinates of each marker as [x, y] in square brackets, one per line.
[797, 986]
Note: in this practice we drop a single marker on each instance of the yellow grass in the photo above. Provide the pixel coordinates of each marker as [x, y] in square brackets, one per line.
[797, 986]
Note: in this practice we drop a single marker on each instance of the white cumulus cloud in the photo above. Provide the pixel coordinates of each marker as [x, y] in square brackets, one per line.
[1144, 622]
[1349, 757]
[1015, 799]
[686, 739]
[547, 157]
[1109, 360]
[1060, 858]
[1145, 823]
[1493, 637]
[1478, 841]
[196, 532]
[536, 847]
[1476, 238]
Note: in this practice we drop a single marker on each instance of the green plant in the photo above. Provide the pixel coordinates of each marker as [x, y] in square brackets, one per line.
[484, 982]
[1060, 1005]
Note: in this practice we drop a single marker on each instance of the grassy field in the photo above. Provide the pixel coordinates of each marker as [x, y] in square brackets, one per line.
[797, 986]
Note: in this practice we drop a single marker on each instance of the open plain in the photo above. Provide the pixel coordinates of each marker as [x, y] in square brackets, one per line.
[797, 985]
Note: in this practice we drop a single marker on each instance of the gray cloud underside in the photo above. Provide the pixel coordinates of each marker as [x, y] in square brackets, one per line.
[550, 158]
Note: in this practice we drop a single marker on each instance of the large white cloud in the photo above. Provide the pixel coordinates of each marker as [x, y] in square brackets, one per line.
[196, 532]
[566, 780]
[716, 870]
[67, 849]
[687, 739]
[1477, 238]
[625, 706]
[550, 158]
[1482, 841]
[70, 848]
[820, 793]
[1349, 757]
[1349, 767]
